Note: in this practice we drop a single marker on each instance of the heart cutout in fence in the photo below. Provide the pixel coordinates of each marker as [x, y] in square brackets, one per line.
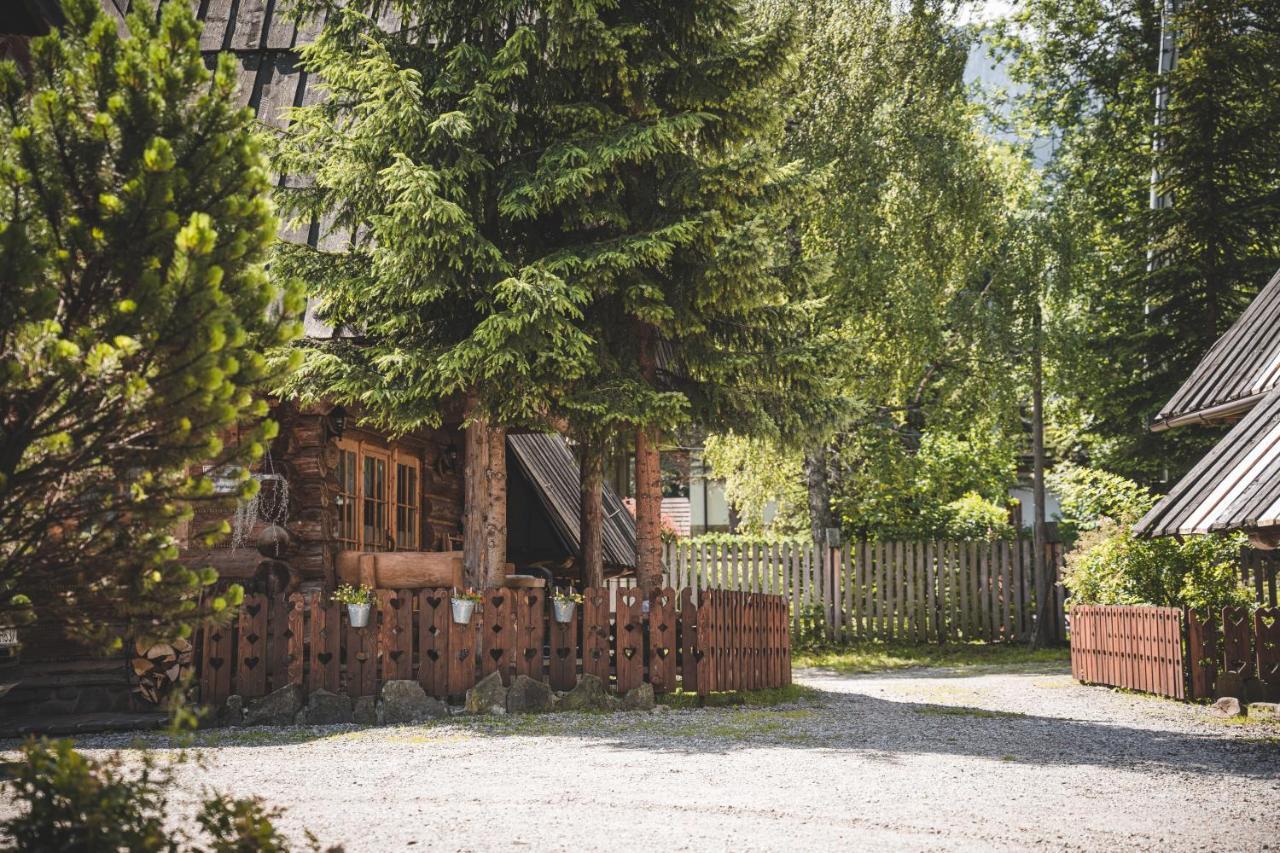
[324, 658]
[250, 663]
[433, 654]
[217, 663]
[497, 654]
[629, 652]
[253, 609]
[563, 653]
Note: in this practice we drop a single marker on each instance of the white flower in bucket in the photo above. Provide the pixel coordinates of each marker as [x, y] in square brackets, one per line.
[464, 605]
[359, 602]
[563, 604]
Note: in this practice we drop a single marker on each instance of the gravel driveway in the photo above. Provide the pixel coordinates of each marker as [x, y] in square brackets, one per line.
[939, 759]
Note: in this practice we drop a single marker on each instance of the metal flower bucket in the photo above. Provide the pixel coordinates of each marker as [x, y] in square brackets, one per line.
[562, 608]
[462, 610]
[358, 614]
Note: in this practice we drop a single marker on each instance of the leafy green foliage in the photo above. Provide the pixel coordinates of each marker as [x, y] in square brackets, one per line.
[1087, 496]
[759, 474]
[1109, 566]
[72, 802]
[972, 518]
[136, 317]
[1127, 332]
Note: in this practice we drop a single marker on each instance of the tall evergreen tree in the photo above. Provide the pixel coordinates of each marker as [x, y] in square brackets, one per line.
[559, 210]
[136, 318]
[1147, 293]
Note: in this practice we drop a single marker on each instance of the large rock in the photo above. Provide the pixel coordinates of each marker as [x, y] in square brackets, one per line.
[325, 708]
[278, 708]
[1228, 706]
[639, 698]
[404, 701]
[1264, 710]
[366, 711]
[232, 711]
[588, 695]
[527, 696]
[488, 696]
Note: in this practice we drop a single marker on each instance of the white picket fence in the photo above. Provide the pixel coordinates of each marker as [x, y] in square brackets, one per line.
[908, 591]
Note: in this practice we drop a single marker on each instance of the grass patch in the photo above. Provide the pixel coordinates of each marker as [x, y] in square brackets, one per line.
[879, 657]
[790, 694]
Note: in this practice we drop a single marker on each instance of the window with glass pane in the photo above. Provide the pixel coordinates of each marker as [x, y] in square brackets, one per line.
[406, 507]
[347, 499]
[375, 504]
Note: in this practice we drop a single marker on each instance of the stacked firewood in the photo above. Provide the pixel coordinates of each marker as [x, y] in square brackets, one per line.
[158, 667]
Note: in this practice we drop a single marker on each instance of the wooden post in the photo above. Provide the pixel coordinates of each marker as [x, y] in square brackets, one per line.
[475, 500]
[648, 511]
[591, 512]
[495, 520]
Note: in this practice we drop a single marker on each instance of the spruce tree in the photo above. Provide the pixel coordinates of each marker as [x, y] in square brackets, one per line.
[534, 200]
[136, 317]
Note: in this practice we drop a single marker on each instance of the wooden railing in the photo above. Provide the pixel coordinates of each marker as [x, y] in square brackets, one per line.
[302, 640]
[908, 591]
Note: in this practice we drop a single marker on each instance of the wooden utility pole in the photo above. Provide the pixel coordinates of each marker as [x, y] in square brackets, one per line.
[591, 512]
[495, 519]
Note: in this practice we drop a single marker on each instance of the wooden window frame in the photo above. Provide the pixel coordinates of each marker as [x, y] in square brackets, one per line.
[409, 511]
[393, 458]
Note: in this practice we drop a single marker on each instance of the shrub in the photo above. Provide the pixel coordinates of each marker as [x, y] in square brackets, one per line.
[73, 803]
[973, 517]
[1086, 496]
[1110, 566]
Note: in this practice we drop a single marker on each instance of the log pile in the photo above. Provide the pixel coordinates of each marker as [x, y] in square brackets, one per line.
[158, 667]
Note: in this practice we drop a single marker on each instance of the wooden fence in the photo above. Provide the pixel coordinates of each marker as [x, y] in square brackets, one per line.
[1260, 571]
[1138, 648]
[909, 591]
[1180, 654]
[303, 640]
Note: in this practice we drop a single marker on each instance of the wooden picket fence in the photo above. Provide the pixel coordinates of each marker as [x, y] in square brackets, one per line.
[909, 591]
[721, 641]
[1180, 654]
[1138, 648]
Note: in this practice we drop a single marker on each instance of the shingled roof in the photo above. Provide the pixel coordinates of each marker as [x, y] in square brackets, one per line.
[1235, 486]
[1238, 371]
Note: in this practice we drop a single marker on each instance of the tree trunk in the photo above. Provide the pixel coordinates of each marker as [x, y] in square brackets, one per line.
[475, 502]
[591, 514]
[495, 521]
[815, 472]
[648, 511]
[1040, 568]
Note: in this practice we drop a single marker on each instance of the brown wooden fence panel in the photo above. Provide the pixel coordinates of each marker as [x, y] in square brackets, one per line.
[362, 656]
[434, 616]
[628, 656]
[1202, 654]
[395, 634]
[662, 640]
[530, 629]
[690, 649]
[1237, 652]
[595, 633]
[1266, 638]
[497, 635]
[216, 661]
[464, 650]
[564, 652]
[250, 676]
[1137, 648]
[326, 645]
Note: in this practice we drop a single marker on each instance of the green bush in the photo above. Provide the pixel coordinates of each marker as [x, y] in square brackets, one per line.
[972, 518]
[1110, 566]
[1086, 496]
[75, 803]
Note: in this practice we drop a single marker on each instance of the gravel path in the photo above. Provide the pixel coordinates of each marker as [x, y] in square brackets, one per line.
[940, 759]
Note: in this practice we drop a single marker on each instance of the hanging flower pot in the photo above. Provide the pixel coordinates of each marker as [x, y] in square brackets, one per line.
[359, 615]
[563, 606]
[359, 602]
[464, 606]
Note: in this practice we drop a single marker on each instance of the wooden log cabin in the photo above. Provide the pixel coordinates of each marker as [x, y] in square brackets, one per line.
[339, 501]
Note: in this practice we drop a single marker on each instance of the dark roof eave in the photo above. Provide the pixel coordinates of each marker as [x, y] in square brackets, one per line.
[1213, 414]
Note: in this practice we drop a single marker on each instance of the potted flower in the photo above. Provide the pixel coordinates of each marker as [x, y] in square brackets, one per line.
[358, 602]
[464, 604]
[563, 604]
